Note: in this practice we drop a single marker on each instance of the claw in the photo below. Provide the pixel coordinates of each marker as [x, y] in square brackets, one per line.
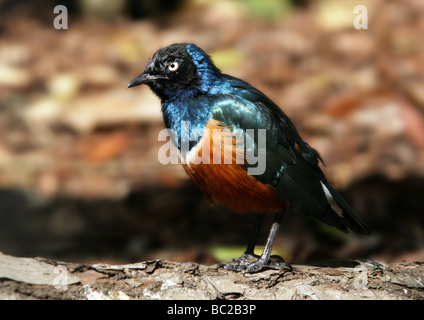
[245, 264]
[241, 263]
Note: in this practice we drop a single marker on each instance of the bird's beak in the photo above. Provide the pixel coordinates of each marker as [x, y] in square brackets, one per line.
[144, 78]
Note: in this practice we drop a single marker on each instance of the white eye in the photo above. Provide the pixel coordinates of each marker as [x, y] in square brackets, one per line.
[173, 66]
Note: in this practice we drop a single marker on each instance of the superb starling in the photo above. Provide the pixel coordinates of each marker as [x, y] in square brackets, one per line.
[272, 169]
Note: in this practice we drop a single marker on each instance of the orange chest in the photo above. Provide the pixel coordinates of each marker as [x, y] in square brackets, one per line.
[216, 166]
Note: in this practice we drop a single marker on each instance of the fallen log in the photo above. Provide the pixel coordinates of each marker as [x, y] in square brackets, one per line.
[40, 278]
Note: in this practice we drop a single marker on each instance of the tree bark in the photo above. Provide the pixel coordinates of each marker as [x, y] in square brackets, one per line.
[39, 278]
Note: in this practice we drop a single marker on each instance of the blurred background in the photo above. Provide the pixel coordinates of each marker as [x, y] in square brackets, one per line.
[79, 175]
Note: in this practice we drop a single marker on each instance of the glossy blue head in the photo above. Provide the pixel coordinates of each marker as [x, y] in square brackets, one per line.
[181, 75]
[181, 69]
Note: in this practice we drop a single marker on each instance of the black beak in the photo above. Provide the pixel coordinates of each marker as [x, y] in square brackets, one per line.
[144, 78]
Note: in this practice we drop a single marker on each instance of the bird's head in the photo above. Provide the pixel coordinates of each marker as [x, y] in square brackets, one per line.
[180, 67]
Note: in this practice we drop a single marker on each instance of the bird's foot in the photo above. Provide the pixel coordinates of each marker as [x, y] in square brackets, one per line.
[251, 263]
[239, 264]
[277, 262]
[274, 262]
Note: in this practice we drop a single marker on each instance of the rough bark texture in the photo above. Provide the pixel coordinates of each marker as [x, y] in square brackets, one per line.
[39, 278]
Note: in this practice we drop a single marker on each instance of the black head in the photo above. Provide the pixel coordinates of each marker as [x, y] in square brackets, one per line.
[170, 70]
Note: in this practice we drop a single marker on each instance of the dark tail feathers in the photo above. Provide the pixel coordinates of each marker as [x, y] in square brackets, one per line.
[340, 214]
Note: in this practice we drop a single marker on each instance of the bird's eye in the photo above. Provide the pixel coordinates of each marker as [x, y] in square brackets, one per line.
[173, 66]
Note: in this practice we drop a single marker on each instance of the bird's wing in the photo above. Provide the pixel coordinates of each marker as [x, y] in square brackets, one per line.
[291, 164]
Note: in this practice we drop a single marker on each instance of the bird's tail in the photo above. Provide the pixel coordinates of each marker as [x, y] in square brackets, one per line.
[340, 214]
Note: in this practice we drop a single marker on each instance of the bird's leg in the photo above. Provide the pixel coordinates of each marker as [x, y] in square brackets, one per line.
[249, 254]
[245, 263]
[238, 264]
[266, 259]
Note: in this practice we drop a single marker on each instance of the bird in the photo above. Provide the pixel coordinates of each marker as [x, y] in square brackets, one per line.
[196, 97]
